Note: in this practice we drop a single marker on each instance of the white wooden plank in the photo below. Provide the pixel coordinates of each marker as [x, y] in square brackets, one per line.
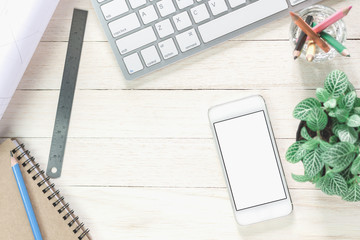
[145, 162]
[139, 114]
[153, 213]
[161, 141]
[59, 26]
[234, 65]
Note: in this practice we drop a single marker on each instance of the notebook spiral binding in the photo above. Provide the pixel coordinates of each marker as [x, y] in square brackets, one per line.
[54, 197]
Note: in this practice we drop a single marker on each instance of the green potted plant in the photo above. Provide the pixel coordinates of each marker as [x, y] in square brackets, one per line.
[327, 141]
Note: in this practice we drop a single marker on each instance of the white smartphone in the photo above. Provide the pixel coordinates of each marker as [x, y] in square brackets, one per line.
[250, 160]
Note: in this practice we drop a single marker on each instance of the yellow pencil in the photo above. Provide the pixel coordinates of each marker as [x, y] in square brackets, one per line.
[310, 52]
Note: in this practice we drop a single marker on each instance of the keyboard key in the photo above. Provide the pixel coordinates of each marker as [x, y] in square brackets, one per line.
[136, 40]
[133, 63]
[100, 1]
[240, 18]
[137, 3]
[295, 2]
[200, 13]
[235, 3]
[164, 28]
[168, 49]
[182, 21]
[165, 7]
[150, 56]
[217, 6]
[184, 3]
[114, 8]
[124, 25]
[187, 40]
[148, 14]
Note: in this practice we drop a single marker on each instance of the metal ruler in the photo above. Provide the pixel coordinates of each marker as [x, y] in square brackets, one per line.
[66, 96]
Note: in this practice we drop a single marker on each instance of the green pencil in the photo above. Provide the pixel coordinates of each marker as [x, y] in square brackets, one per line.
[335, 44]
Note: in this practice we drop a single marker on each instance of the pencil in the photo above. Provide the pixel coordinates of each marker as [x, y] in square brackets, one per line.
[302, 38]
[25, 198]
[332, 19]
[307, 29]
[310, 52]
[335, 44]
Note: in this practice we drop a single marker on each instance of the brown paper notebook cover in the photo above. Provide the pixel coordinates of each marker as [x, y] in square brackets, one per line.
[14, 223]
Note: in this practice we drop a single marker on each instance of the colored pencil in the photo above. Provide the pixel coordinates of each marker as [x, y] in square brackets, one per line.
[335, 44]
[302, 38]
[25, 198]
[332, 19]
[307, 29]
[310, 52]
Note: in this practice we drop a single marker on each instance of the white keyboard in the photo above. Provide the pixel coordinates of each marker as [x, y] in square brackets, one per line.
[146, 35]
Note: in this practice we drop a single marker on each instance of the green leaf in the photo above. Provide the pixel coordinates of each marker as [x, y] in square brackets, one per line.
[332, 114]
[346, 174]
[333, 139]
[304, 133]
[333, 184]
[353, 193]
[350, 87]
[317, 177]
[322, 94]
[310, 145]
[344, 163]
[316, 119]
[349, 100]
[346, 134]
[300, 154]
[324, 184]
[312, 162]
[335, 128]
[357, 102]
[336, 83]
[341, 115]
[330, 104]
[303, 108]
[337, 184]
[340, 103]
[357, 110]
[353, 121]
[339, 155]
[325, 145]
[320, 182]
[291, 153]
[355, 166]
[300, 178]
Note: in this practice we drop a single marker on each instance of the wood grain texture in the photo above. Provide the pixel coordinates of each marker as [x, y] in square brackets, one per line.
[140, 160]
[140, 114]
[168, 213]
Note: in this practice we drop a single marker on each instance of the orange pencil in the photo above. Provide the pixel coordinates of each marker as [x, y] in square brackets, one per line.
[307, 29]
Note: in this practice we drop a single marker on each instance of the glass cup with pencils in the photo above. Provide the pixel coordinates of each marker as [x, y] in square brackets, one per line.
[318, 33]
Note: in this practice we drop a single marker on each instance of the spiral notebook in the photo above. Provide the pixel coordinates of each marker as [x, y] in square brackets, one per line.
[56, 219]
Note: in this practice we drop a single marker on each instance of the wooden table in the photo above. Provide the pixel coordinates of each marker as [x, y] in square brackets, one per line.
[140, 160]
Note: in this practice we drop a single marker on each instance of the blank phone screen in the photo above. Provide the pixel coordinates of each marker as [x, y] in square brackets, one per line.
[249, 159]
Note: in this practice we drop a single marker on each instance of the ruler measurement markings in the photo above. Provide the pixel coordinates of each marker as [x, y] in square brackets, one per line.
[66, 96]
